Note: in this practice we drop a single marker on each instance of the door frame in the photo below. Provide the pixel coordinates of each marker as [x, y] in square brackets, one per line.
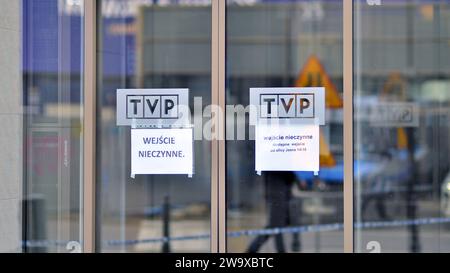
[218, 238]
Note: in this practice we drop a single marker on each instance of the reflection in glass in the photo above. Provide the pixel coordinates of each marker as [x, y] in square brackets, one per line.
[402, 126]
[147, 45]
[285, 44]
[52, 124]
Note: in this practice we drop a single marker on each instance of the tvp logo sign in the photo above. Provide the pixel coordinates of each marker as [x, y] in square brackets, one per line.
[296, 105]
[152, 107]
[287, 105]
[158, 107]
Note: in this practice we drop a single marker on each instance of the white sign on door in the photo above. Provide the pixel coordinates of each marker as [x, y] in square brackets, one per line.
[161, 133]
[287, 135]
[287, 148]
[162, 151]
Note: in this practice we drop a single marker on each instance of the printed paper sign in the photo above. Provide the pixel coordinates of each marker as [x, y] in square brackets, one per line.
[161, 151]
[287, 148]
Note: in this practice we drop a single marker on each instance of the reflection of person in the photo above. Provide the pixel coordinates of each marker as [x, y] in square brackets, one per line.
[378, 185]
[379, 197]
[278, 196]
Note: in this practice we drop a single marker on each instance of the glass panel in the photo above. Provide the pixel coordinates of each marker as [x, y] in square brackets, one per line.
[146, 44]
[284, 44]
[41, 144]
[402, 111]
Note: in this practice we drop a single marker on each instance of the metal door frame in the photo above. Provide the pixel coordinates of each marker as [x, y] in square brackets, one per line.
[218, 179]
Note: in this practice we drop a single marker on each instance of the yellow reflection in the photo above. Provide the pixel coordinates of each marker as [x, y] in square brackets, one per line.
[427, 12]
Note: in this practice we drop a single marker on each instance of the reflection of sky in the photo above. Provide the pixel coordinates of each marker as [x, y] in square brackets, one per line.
[41, 37]
[43, 41]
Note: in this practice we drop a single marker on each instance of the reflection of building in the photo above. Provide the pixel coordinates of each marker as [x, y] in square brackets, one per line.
[274, 47]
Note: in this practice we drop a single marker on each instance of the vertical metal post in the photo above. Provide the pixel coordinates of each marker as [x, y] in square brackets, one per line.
[348, 125]
[222, 158]
[89, 124]
[411, 206]
[218, 196]
[214, 142]
[166, 224]
[411, 198]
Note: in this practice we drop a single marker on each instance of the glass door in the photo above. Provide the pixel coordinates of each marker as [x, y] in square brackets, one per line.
[401, 141]
[274, 44]
[152, 45]
[284, 45]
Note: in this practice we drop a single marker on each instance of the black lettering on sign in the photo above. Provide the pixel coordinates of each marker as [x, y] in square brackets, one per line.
[152, 107]
[281, 105]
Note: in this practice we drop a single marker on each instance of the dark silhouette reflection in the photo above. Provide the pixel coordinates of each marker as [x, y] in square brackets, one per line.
[379, 192]
[278, 196]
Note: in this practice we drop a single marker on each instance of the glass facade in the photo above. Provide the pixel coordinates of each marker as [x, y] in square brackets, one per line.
[401, 134]
[402, 66]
